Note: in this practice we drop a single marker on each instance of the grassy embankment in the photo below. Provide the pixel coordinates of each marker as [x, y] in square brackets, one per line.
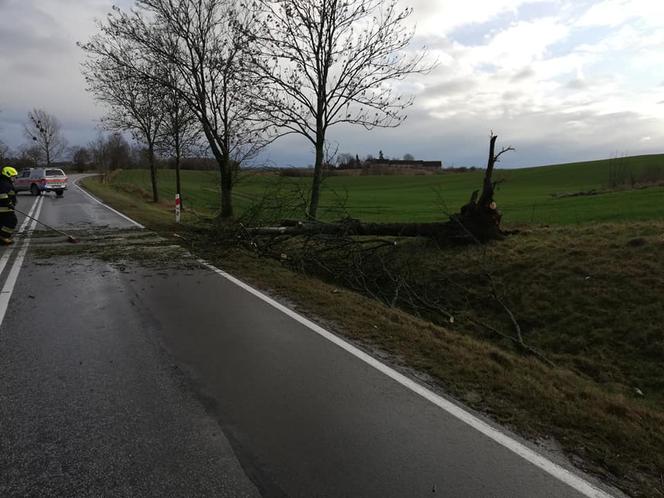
[589, 296]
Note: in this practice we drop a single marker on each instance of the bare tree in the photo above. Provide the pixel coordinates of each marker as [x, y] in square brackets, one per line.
[327, 62]
[345, 159]
[81, 157]
[181, 132]
[4, 152]
[134, 103]
[30, 155]
[46, 132]
[98, 153]
[206, 43]
[110, 153]
[118, 151]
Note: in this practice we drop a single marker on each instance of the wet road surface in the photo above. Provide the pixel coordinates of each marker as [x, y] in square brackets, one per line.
[174, 381]
[90, 404]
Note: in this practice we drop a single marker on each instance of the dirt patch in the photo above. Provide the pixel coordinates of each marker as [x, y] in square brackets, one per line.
[116, 247]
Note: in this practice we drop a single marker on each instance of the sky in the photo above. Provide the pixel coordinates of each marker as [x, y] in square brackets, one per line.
[559, 80]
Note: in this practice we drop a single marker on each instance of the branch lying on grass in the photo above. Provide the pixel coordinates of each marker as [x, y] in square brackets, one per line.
[342, 252]
[520, 344]
[364, 265]
[518, 340]
[517, 327]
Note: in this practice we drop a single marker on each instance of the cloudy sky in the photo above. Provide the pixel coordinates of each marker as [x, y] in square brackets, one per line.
[560, 80]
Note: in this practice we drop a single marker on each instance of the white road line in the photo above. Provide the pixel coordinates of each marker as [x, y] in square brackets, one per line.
[579, 484]
[10, 250]
[8, 289]
[136, 223]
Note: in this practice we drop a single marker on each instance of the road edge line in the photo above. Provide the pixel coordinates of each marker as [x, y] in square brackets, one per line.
[555, 470]
[136, 223]
[12, 277]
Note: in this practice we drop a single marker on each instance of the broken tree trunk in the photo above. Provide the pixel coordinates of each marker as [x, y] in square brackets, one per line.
[479, 220]
[354, 227]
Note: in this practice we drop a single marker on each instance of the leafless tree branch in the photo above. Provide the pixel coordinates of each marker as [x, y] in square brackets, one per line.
[45, 131]
[205, 43]
[325, 62]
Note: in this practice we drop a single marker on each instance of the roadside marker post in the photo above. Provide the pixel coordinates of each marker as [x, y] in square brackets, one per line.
[177, 208]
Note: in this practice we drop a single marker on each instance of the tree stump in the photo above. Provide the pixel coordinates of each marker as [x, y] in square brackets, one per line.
[479, 220]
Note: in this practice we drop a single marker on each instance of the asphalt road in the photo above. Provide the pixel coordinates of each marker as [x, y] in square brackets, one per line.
[175, 381]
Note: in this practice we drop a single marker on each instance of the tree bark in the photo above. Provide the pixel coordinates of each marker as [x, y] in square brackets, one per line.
[317, 180]
[226, 176]
[226, 187]
[153, 172]
[487, 187]
[443, 232]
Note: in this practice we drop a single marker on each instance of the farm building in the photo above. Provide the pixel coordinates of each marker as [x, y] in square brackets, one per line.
[400, 163]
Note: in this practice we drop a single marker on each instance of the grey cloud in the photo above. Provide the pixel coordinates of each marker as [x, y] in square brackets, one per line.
[525, 73]
[512, 95]
[577, 84]
[24, 12]
[19, 43]
[540, 137]
[450, 87]
[25, 29]
[26, 68]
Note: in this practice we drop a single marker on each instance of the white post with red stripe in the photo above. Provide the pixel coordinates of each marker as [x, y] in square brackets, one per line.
[177, 208]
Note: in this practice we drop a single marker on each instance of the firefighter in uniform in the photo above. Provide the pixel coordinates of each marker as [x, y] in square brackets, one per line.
[8, 219]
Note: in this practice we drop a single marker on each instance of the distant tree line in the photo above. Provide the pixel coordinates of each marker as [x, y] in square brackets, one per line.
[346, 160]
[624, 175]
[176, 145]
[107, 152]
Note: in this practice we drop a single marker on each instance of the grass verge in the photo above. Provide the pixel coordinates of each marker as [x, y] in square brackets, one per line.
[603, 332]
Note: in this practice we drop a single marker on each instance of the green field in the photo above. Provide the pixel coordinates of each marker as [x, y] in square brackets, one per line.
[525, 196]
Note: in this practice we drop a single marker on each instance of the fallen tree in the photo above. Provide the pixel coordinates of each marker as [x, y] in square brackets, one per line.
[477, 221]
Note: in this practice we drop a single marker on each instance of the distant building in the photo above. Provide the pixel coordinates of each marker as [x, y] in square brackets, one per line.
[402, 164]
